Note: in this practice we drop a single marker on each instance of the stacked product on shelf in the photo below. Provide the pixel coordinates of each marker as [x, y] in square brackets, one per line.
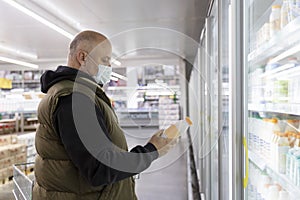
[293, 162]
[11, 152]
[169, 112]
[277, 143]
[274, 104]
[29, 80]
[18, 111]
[29, 140]
[7, 126]
[276, 84]
[262, 187]
[169, 74]
[279, 18]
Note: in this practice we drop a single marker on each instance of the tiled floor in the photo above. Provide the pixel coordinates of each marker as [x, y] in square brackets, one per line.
[6, 192]
[165, 179]
[6, 189]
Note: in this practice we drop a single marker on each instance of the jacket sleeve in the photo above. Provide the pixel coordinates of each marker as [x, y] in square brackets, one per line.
[96, 172]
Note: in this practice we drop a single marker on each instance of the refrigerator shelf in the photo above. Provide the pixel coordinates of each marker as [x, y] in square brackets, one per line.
[287, 184]
[257, 160]
[278, 46]
[285, 71]
[279, 108]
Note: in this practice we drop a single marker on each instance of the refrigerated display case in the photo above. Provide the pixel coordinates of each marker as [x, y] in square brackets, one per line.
[272, 44]
[211, 76]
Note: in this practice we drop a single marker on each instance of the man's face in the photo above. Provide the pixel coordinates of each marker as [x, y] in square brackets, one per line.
[101, 54]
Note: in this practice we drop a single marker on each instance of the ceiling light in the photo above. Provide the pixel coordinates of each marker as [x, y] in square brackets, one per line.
[61, 14]
[114, 78]
[18, 62]
[119, 76]
[17, 52]
[116, 62]
[39, 18]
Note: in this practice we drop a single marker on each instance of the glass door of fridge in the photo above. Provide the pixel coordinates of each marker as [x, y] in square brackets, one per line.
[272, 41]
[212, 97]
[213, 141]
[208, 149]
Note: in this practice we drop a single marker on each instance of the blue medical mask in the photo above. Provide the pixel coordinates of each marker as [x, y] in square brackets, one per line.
[103, 75]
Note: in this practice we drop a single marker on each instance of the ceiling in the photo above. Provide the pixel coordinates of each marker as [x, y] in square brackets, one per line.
[134, 26]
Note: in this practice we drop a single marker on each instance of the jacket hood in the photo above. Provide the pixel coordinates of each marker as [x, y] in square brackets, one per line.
[50, 77]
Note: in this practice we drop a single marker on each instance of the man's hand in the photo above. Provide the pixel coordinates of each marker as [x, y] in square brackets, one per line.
[163, 145]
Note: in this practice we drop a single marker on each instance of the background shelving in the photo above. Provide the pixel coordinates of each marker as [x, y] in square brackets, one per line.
[169, 112]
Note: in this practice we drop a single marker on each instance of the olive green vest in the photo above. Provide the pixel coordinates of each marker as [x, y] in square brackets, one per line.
[57, 178]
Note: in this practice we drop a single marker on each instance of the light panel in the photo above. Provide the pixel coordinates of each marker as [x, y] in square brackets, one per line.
[116, 62]
[19, 62]
[119, 76]
[39, 18]
[114, 78]
[17, 52]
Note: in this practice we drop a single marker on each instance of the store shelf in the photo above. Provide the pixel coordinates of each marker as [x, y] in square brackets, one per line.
[284, 71]
[293, 190]
[281, 108]
[277, 44]
[118, 98]
[145, 110]
[137, 117]
[152, 87]
[31, 127]
[287, 184]
[26, 81]
[259, 161]
[17, 81]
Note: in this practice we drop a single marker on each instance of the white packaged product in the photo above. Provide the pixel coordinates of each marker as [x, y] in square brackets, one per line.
[282, 150]
[275, 20]
[263, 181]
[273, 193]
[177, 129]
[294, 6]
[284, 19]
[289, 163]
[295, 164]
[298, 172]
[274, 141]
[284, 195]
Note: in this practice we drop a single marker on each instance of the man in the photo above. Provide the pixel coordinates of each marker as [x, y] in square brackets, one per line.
[82, 151]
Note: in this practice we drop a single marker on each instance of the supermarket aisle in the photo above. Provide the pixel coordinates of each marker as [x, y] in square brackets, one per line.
[167, 183]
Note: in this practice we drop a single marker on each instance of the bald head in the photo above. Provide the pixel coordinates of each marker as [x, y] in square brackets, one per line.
[86, 40]
[88, 43]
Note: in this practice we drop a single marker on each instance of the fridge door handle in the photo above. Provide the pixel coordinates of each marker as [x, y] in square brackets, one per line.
[246, 162]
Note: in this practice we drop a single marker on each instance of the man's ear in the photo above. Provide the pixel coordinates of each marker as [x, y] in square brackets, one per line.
[81, 57]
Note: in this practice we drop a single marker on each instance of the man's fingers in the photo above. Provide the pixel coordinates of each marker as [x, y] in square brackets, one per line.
[160, 132]
[163, 144]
